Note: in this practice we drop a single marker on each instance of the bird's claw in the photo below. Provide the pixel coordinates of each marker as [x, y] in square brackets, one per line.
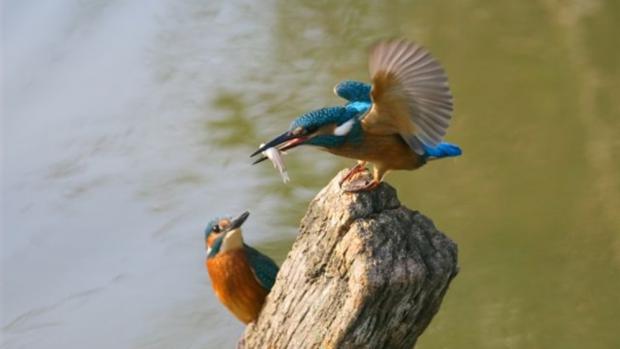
[360, 167]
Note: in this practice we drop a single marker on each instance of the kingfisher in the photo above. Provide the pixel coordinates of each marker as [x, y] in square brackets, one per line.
[240, 275]
[395, 123]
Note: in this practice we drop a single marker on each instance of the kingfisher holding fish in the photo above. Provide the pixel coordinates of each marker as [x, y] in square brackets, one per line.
[396, 123]
[240, 275]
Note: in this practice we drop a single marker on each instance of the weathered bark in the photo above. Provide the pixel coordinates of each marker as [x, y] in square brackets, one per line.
[364, 272]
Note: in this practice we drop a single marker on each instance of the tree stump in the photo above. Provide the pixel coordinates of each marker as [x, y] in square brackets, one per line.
[364, 272]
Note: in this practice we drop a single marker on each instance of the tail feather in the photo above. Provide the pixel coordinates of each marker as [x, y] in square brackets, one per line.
[442, 150]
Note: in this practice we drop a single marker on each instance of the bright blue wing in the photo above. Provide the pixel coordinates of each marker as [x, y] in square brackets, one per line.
[264, 268]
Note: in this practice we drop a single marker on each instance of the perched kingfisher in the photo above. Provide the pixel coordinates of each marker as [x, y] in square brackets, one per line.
[397, 123]
[241, 276]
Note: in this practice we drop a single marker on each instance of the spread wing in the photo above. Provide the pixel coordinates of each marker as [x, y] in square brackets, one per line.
[264, 268]
[410, 94]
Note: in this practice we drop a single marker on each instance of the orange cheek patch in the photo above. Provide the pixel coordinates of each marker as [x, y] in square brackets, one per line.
[224, 223]
[210, 240]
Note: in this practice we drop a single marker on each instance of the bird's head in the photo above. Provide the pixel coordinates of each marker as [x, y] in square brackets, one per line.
[224, 234]
[326, 127]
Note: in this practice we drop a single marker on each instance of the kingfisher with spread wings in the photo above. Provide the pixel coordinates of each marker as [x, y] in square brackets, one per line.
[396, 123]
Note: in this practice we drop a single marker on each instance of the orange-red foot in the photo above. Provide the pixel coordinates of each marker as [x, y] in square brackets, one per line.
[361, 185]
[360, 167]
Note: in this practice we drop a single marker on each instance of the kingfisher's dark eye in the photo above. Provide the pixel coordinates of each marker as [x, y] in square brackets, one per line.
[216, 228]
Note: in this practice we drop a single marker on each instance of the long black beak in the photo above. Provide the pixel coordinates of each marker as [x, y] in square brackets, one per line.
[238, 222]
[261, 159]
[287, 137]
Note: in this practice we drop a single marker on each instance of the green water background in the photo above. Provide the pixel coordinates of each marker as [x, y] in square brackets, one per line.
[127, 127]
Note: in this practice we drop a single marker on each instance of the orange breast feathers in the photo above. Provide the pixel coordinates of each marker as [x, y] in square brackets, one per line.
[235, 285]
[387, 151]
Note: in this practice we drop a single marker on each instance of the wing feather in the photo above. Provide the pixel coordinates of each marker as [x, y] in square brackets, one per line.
[264, 268]
[410, 94]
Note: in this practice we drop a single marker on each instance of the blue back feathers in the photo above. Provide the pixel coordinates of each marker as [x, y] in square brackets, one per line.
[312, 120]
[360, 108]
[441, 150]
[353, 91]
[264, 267]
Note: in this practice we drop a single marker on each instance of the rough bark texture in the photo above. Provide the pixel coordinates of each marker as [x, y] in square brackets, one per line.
[364, 272]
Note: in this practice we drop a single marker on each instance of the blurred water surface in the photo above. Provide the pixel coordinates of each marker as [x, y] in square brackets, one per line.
[128, 125]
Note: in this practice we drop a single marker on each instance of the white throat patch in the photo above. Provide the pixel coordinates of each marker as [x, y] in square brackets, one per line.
[232, 241]
[344, 129]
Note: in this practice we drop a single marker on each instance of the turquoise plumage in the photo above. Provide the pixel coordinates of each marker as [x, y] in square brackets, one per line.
[353, 91]
[442, 150]
[314, 119]
[263, 267]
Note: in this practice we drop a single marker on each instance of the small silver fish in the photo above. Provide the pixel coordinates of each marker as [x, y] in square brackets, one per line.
[275, 156]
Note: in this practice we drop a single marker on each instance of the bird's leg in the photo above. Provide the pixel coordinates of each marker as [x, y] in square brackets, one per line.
[367, 184]
[359, 167]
